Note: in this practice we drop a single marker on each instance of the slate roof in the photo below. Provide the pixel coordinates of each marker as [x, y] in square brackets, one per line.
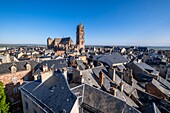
[64, 41]
[146, 67]
[52, 64]
[150, 108]
[144, 98]
[80, 65]
[164, 89]
[107, 80]
[54, 93]
[95, 100]
[21, 66]
[90, 78]
[112, 60]
[164, 82]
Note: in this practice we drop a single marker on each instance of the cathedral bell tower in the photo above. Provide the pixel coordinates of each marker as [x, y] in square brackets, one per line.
[80, 36]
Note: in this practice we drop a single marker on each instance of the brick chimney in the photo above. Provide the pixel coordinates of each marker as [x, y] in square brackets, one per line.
[101, 78]
[113, 91]
[121, 87]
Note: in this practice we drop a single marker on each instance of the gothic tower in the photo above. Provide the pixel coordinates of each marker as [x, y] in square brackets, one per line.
[49, 43]
[80, 36]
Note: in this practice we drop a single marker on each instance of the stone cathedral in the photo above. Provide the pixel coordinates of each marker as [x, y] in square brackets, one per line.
[66, 43]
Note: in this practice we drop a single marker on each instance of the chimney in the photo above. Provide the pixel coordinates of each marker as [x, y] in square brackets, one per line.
[121, 87]
[101, 78]
[82, 79]
[114, 74]
[113, 91]
[131, 77]
[37, 59]
[64, 71]
[44, 76]
[91, 64]
[45, 67]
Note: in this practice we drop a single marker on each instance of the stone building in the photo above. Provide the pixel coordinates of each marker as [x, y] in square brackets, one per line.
[60, 43]
[67, 43]
[12, 75]
[80, 36]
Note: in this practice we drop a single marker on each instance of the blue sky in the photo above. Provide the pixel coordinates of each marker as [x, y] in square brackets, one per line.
[106, 22]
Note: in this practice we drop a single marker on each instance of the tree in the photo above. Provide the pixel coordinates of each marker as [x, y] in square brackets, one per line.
[4, 105]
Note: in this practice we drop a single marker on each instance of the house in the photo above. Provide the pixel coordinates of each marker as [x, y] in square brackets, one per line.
[49, 65]
[93, 100]
[113, 59]
[12, 75]
[142, 49]
[158, 89]
[142, 71]
[5, 58]
[51, 95]
[165, 71]
[143, 99]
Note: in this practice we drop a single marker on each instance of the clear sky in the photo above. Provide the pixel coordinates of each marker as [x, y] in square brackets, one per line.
[106, 22]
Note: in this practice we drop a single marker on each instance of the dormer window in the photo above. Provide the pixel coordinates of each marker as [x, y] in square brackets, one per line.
[45, 68]
[13, 68]
[28, 66]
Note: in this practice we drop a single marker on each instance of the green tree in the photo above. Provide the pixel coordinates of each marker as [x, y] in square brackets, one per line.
[4, 105]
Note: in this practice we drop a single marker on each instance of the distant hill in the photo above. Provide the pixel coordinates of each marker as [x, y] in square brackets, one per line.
[16, 45]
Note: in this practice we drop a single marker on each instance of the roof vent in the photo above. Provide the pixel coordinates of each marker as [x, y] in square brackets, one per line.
[52, 89]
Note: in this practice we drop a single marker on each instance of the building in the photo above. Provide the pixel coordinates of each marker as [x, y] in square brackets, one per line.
[12, 75]
[80, 36]
[49, 96]
[67, 43]
[54, 96]
[60, 43]
[143, 72]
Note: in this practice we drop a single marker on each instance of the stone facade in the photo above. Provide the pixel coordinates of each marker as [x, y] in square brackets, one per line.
[67, 43]
[80, 36]
[60, 44]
